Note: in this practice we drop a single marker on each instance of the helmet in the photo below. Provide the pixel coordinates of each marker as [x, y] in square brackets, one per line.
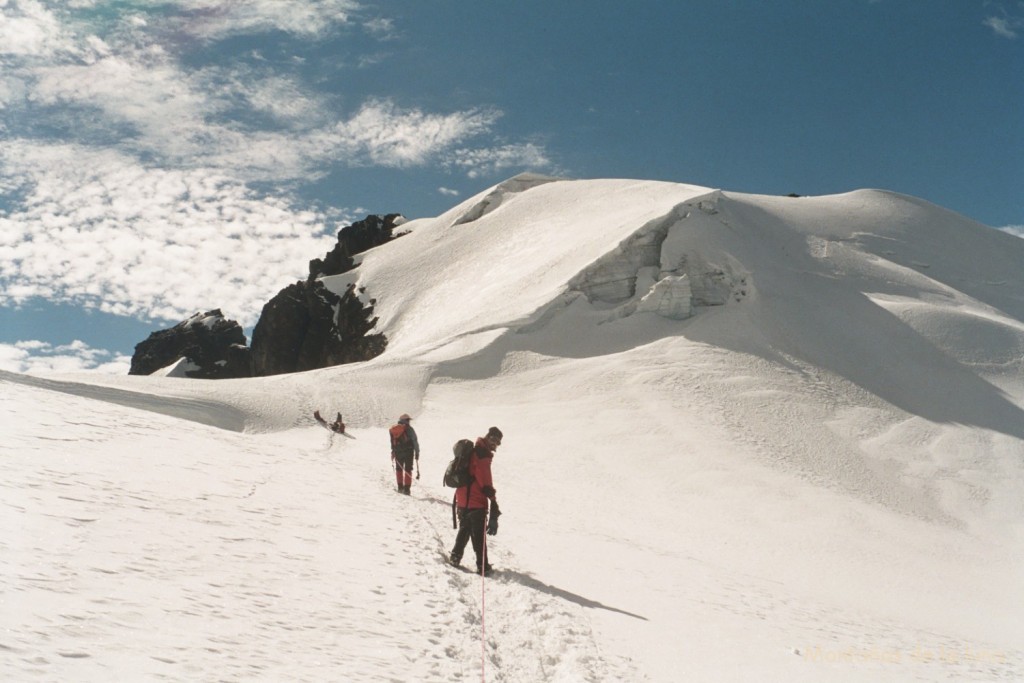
[404, 416]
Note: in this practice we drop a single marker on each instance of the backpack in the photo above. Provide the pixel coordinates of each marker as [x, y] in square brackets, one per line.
[456, 475]
[401, 442]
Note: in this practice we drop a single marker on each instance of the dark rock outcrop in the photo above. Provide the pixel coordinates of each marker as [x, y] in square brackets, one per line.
[361, 236]
[208, 341]
[306, 326]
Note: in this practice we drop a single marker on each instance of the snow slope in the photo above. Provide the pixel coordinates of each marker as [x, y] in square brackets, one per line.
[747, 438]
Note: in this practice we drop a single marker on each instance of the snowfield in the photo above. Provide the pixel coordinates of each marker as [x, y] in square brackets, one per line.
[746, 438]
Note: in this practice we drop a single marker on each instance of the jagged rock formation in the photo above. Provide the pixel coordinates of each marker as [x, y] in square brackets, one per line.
[304, 327]
[213, 346]
[361, 236]
[307, 326]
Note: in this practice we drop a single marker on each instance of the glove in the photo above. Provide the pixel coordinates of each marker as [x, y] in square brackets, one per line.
[492, 523]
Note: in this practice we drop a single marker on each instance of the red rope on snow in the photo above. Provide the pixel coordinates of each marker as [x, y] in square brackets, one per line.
[483, 608]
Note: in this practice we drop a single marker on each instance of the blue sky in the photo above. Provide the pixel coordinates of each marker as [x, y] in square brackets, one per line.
[161, 157]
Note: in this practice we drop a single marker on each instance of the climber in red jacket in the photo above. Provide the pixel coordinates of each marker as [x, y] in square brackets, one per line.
[475, 500]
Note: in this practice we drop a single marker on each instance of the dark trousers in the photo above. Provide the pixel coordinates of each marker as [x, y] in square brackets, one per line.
[472, 524]
[403, 468]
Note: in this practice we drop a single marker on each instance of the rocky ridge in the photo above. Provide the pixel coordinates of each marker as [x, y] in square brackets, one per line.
[305, 326]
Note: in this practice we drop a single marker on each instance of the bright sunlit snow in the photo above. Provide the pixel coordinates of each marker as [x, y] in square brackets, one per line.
[746, 438]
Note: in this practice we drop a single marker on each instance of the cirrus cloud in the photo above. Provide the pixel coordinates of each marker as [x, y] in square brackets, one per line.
[485, 161]
[1003, 22]
[128, 164]
[383, 134]
[98, 229]
[1002, 26]
[126, 84]
[216, 19]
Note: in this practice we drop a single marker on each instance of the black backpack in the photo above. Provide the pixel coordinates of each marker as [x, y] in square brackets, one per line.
[456, 475]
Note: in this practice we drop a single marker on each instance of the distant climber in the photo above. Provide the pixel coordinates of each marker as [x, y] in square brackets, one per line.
[473, 502]
[338, 426]
[405, 448]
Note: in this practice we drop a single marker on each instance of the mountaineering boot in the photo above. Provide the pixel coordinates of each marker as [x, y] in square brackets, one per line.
[455, 560]
[487, 570]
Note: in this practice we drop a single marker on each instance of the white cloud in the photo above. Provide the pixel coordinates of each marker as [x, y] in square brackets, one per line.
[368, 60]
[101, 230]
[28, 28]
[384, 134]
[448, 192]
[138, 204]
[142, 100]
[124, 83]
[478, 162]
[1002, 26]
[379, 134]
[38, 358]
[382, 28]
[160, 108]
[215, 19]
[1006, 23]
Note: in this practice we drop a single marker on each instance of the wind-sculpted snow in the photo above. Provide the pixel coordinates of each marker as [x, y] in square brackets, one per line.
[204, 411]
[493, 199]
[449, 283]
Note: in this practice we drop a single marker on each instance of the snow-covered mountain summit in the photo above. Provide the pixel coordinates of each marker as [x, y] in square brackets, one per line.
[747, 437]
[513, 257]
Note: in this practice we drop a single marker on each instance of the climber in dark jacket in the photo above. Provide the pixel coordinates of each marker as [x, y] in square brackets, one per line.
[405, 448]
